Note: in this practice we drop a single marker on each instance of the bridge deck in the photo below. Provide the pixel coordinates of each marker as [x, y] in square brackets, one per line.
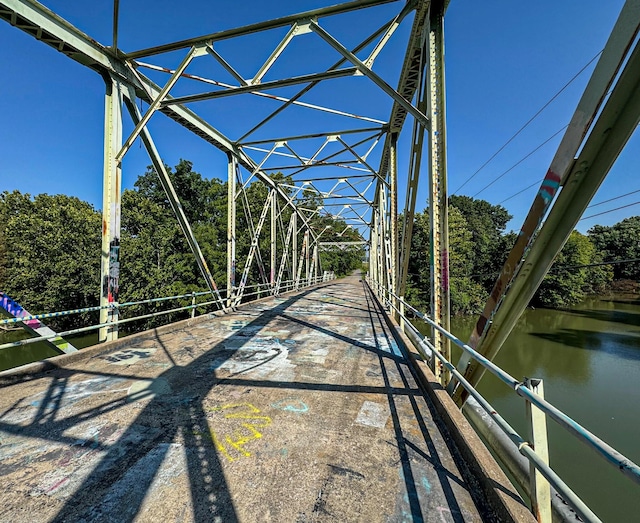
[300, 408]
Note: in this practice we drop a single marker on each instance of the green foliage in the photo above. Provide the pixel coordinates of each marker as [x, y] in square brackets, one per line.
[478, 247]
[467, 295]
[50, 254]
[487, 224]
[620, 242]
[570, 279]
[341, 262]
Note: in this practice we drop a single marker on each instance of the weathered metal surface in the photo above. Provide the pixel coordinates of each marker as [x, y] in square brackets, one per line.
[300, 408]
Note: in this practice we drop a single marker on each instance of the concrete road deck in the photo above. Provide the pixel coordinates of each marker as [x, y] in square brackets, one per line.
[295, 409]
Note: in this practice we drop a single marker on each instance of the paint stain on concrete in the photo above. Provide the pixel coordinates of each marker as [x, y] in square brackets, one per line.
[314, 357]
[129, 356]
[146, 389]
[291, 405]
[260, 357]
[373, 414]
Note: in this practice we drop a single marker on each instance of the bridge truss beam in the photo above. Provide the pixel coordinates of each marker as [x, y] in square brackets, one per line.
[597, 134]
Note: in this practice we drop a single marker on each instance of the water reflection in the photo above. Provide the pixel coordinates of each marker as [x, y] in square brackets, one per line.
[21, 355]
[589, 358]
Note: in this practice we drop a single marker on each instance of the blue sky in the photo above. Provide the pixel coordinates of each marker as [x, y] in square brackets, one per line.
[505, 60]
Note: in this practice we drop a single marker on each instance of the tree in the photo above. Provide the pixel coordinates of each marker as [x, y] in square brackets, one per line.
[572, 277]
[51, 259]
[620, 242]
[467, 295]
[487, 224]
[341, 262]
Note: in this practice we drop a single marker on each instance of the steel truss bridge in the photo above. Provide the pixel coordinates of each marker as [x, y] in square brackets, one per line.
[351, 169]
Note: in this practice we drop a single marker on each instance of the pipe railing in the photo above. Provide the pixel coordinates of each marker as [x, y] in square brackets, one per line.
[261, 288]
[627, 467]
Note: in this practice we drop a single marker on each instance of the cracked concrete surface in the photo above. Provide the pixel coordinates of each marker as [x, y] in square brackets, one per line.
[300, 408]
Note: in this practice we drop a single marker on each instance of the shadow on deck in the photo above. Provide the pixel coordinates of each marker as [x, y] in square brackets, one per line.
[299, 408]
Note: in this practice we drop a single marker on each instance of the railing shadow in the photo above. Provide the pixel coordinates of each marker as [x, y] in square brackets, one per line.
[153, 431]
[405, 445]
[124, 476]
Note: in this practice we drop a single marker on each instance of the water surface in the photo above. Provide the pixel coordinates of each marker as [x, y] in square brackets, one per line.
[589, 358]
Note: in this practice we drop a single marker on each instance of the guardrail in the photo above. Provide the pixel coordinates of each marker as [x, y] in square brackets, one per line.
[260, 290]
[623, 464]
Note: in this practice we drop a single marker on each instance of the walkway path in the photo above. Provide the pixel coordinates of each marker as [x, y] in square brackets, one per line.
[296, 409]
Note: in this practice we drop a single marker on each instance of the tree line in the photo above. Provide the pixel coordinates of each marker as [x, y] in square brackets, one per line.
[479, 245]
[50, 245]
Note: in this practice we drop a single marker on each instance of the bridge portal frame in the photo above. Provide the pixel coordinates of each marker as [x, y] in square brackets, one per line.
[365, 198]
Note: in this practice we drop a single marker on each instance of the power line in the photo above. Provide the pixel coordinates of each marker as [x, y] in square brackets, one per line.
[521, 160]
[610, 210]
[528, 122]
[537, 182]
[614, 198]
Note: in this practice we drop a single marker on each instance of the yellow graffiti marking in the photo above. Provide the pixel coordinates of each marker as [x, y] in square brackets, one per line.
[239, 438]
[220, 447]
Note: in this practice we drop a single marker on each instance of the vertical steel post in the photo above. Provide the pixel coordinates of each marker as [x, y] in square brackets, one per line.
[393, 217]
[112, 177]
[540, 489]
[231, 227]
[273, 240]
[301, 264]
[373, 246]
[193, 304]
[294, 247]
[316, 263]
[440, 297]
[307, 255]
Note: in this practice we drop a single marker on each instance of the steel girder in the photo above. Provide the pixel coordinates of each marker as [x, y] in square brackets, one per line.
[112, 181]
[359, 194]
[574, 180]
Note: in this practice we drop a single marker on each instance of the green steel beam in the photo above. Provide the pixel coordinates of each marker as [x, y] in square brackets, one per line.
[579, 179]
[111, 193]
[258, 27]
[438, 199]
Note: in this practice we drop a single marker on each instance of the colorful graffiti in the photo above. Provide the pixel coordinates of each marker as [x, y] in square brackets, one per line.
[34, 326]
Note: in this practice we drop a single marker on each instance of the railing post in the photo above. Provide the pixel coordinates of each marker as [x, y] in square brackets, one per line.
[402, 311]
[540, 489]
[193, 304]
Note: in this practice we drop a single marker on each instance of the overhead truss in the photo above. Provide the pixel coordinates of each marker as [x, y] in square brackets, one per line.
[340, 173]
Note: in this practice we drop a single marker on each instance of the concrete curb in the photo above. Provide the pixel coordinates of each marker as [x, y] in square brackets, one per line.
[484, 471]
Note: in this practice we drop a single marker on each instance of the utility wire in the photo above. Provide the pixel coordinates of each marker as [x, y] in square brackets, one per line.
[537, 182]
[610, 210]
[599, 264]
[614, 198]
[528, 122]
[521, 160]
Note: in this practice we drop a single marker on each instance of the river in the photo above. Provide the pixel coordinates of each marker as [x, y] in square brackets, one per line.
[589, 358]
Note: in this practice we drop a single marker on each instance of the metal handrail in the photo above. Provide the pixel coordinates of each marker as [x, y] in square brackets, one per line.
[288, 284]
[97, 308]
[612, 456]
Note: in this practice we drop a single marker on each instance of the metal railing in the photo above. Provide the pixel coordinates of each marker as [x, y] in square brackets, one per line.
[259, 290]
[623, 464]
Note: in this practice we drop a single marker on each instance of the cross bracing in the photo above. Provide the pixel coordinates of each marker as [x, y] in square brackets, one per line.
[339, 155]
[330, 162]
